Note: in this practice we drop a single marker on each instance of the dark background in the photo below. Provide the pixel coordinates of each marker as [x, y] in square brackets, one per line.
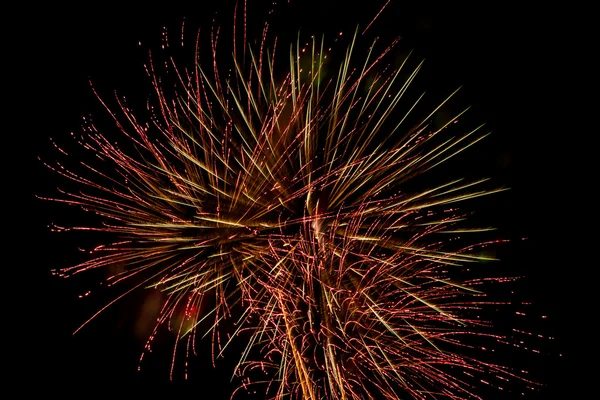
[512, 61]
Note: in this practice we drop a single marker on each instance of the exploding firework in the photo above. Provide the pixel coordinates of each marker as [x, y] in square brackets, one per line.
[281, 190]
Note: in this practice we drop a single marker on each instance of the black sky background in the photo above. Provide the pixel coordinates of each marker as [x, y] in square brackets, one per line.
[507, 57]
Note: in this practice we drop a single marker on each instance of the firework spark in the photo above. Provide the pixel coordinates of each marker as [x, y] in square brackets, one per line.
[282, 189]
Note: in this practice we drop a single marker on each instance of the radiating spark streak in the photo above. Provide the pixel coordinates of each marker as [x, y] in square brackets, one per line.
[468, 230]
[376, 16]
[295, 195]
[457, 285]
[454, 199]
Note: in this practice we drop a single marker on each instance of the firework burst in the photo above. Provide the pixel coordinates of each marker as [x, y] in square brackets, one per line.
[282, 188]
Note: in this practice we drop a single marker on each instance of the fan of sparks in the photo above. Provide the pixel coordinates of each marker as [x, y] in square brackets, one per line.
[286, 196]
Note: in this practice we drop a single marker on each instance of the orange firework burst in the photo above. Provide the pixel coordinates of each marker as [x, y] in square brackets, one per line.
[284, 188]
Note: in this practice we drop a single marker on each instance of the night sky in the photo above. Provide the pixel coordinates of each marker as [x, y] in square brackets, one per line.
[505, 57]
